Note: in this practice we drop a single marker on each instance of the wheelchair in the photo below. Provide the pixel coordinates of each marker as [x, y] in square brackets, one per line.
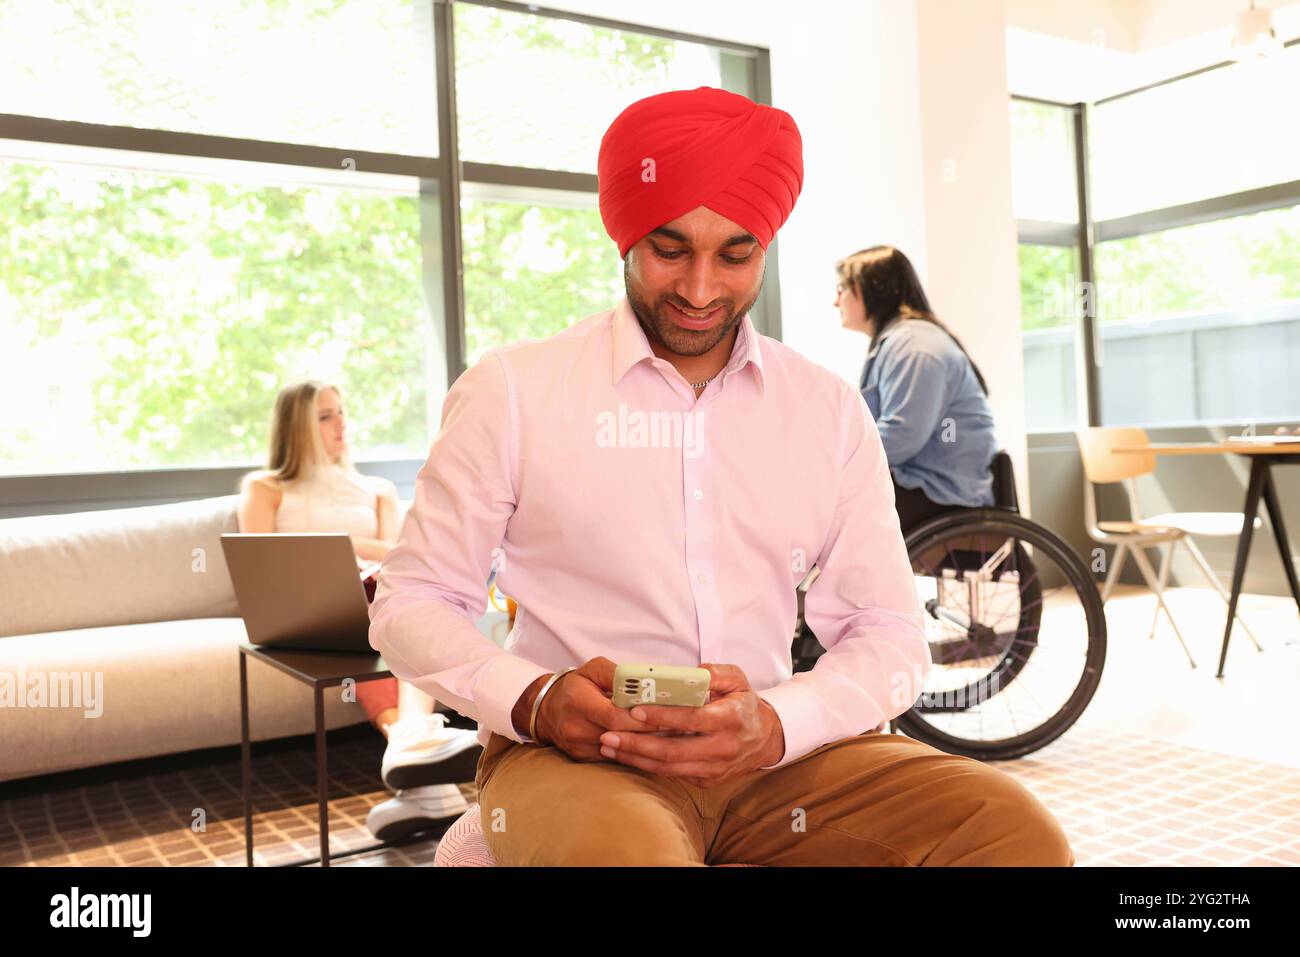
[1015, 626]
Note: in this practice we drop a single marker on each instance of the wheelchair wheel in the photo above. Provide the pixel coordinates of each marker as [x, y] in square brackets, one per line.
[1016, 630]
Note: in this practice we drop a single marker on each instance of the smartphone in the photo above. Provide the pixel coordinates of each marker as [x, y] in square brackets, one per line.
[636, 684]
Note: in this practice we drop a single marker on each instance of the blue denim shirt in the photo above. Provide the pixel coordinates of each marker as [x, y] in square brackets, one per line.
[933, 417]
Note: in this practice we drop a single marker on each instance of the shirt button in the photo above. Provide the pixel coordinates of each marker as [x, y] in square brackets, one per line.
[697, 495]
[702, 578]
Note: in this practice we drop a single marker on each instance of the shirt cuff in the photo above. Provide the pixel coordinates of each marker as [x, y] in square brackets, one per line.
[504, 679]
[803, 719]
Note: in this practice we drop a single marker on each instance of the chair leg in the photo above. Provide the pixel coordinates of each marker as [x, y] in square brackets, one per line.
[1160, 589]
[1149, 574]
[1112, 576]
[1218, 585]
[1152, 580]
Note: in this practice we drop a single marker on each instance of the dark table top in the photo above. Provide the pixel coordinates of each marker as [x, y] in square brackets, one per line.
[331, 667]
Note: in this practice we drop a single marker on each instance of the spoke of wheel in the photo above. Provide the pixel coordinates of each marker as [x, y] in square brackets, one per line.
[1040, 644]
[1024, 686]
[1025, 584]
[960, 577]
[941, 593]
[1012, 715]
[1016, 592]
[995, 611]
[1002, 605]
[1040, 603]
[1027, 690]
[1009, 597]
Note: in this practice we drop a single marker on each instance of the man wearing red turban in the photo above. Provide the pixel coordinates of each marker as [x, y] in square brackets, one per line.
[652, 484]
[689, 178]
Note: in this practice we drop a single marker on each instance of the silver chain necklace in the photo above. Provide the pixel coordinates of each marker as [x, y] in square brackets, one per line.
[701, 385]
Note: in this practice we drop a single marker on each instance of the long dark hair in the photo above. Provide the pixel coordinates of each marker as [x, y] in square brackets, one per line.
[890, 290]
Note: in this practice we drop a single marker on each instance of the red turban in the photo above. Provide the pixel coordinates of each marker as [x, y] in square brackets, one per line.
[667, 154]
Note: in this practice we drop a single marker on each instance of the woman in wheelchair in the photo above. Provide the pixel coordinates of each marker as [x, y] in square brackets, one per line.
[989, 580]
[928, 398]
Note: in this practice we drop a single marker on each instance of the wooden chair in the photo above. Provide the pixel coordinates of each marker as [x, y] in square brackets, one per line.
[1102, 466]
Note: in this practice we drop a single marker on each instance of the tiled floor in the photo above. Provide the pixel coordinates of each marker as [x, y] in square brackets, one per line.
[151, 820]
[1128, 800]
[1169, 765]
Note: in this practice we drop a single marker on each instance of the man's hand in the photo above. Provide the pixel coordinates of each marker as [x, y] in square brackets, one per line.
[736, 732]
[578, 709]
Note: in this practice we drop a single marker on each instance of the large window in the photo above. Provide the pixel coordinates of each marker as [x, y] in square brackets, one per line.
[149, 320]
[1049, 312]
[1201, 324]
[1194, 301]
[1043, 163]
[531, 270]
[1045, 198]
[540, 92]
[203, 200]
[1194, 186]
[1213, 134]
[322, 72]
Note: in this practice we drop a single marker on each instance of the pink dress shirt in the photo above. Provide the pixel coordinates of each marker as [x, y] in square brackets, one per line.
[630, 519]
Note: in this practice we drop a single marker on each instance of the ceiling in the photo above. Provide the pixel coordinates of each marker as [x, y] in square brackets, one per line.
[1084, 50]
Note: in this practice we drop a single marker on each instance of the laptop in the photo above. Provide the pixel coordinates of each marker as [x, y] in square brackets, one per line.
[300, 590]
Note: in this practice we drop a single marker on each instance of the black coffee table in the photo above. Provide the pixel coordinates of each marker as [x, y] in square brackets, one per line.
[319, 670]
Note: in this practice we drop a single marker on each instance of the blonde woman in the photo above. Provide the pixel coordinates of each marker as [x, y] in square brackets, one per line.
[310, 485]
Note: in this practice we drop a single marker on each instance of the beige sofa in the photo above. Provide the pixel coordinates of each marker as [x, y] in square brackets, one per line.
[137, 601]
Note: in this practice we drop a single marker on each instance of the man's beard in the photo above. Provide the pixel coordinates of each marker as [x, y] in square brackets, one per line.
[659, 326]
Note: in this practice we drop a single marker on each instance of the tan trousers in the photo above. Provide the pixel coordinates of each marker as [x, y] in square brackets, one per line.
[871, 800]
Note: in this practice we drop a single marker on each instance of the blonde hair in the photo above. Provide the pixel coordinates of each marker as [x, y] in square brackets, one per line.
[296, 450]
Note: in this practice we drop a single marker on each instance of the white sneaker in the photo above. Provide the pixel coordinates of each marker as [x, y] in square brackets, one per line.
[415, 810]
[423, 750]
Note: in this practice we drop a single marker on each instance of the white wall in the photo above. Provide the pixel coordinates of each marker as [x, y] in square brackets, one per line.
[889, 95]
[972, 268]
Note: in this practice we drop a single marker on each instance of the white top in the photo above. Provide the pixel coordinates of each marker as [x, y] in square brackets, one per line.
[333, 500]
